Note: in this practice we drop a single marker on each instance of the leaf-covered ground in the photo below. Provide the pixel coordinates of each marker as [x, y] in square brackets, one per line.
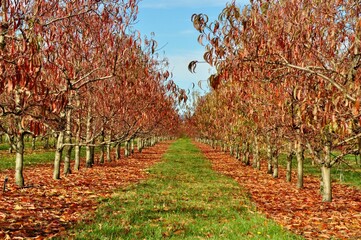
[46, 208]
[301, 211]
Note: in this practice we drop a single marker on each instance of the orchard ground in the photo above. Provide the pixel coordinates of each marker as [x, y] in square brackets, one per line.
[173, 190]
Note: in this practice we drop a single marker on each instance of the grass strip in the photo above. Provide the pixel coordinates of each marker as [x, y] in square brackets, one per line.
[183, 199]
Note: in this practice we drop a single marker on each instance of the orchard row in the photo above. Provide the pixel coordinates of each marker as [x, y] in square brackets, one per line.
[288, 80]
[78, 70]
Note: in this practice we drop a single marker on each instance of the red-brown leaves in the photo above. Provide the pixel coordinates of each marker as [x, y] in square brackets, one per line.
[46, 208]
[300, 211]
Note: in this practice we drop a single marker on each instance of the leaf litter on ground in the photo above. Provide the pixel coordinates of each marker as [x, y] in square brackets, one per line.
[46, 208]
[299, 210]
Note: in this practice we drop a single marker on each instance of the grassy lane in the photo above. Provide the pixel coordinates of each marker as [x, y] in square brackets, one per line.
[183, 199]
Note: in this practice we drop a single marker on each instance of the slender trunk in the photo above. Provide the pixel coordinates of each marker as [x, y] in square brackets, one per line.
[246, 154]
[231, 150]
[109, 158]
[269, 159]
[299, 157]
[139, 145]
[238, 155]
[68, 148]
[132, 146]
[275, 164]
[12, 143]
[117, 151]
[289, 163]
[88, 155]
[46, 142]
[77, 147]
[358, 159]
[92, 152]
[126, 149]
[19, 160]
[256, 162]
[77, 157]
[58, 155]
[33, 142]
[326, 187]
[67, 157]
[102, 148]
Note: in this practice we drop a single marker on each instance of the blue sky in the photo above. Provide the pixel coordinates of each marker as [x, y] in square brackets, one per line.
[170, 20]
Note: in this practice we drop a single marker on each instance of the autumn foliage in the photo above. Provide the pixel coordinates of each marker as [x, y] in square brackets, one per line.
[79, 71]
[288, 80]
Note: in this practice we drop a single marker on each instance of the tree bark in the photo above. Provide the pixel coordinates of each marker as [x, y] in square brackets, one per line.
[358, 158]
[269, 158]
[275, 163]
[246, 153]
[77, 147]
[68, 148]
[126, 149]
[299, 157]
[109, 158]
[46, 142]
[88, 157]
[58, 155]
[102, 148]
[33, 143]
[289, 163]
[256, 162]
[132, 146]
[77, 150]
[117, 151]
[326, 187]
[139, 145]
[19, 160]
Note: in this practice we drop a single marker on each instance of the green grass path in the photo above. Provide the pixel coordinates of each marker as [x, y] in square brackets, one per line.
[183, 199]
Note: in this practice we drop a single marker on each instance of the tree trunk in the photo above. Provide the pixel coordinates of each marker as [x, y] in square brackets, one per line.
[132, 146]
[102, 148]
[117, 151]
[19, 160]
[256, 162]
[109, 158]
[88, 155]
[33, 143]
[246, 154]
[269, 159]
[139, 145]
[58, 155]
[358, 159]
[77, 147]
[92, 152]
[126, 149]
[11, 139]
[275, 164]
[326, 187]
[77, 157]
[46, 142]
[299, 157]
[289, 163]
[326, 184]
[68, 148]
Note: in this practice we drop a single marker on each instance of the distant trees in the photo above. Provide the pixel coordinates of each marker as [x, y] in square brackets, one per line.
[294, 68]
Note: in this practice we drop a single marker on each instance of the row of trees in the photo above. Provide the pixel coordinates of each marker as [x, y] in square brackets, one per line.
[78, 69]
[288, 79]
